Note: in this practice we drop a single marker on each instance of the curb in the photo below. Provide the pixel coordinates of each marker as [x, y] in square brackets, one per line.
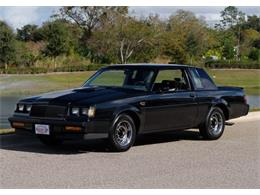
[251, 116]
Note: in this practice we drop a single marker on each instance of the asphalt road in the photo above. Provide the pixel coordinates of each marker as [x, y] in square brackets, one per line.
[171, 160]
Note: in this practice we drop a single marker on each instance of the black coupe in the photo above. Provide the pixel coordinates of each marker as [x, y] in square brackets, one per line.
[121, 101]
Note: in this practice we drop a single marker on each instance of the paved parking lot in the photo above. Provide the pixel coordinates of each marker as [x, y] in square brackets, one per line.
[169, 160]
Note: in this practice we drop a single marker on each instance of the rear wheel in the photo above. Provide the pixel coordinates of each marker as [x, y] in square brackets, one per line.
[50, 140]
[214, 125]
[122, 134]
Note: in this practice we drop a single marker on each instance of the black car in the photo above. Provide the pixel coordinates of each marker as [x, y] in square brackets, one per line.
[121, 101]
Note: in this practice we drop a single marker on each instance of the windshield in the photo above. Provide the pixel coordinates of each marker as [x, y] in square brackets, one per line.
[134, 78]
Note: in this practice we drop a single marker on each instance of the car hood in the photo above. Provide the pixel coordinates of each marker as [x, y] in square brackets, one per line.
[84, 96]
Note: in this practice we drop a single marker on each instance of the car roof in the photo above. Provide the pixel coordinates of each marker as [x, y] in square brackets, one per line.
[143, 65]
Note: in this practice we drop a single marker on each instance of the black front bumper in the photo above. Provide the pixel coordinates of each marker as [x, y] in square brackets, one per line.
[57, 127]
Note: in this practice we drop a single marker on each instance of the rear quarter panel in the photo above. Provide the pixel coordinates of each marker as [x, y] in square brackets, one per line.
[233, 101]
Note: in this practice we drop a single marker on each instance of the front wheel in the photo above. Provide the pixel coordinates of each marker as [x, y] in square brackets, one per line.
[214, 125]
[122, 134]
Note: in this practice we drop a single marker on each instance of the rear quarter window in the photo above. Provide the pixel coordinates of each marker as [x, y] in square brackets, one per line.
[202, 80]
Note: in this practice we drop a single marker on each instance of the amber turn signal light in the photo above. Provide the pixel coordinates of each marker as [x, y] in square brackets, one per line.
[16, 124]
[71, 128]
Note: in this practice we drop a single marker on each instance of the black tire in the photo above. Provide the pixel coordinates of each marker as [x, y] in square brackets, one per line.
[125, 124]
[209, 129]
[50, 140]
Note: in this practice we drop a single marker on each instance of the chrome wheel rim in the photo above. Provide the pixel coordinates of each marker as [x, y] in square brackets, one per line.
[216, 123]
[123, 133]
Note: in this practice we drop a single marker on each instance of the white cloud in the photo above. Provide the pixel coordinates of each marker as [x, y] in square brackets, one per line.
[19, 16]
[209, 16]
[208, 13]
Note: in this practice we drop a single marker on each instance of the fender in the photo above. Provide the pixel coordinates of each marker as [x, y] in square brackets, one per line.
[222, 102]
[216, 101]
[128, 109]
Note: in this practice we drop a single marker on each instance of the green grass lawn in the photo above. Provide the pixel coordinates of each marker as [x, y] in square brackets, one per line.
[248, 79]
[22, 85]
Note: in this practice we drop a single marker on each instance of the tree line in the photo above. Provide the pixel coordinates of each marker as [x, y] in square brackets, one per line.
[104, 35]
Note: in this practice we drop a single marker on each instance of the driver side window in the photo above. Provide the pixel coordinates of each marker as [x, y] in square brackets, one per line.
[171, 80]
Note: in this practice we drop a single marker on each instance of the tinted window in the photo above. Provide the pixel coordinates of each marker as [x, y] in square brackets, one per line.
[108, 78]
[201, 79]
[171, 80]
[168, 75]
[196, 79]
[126, 78]
[205, 79]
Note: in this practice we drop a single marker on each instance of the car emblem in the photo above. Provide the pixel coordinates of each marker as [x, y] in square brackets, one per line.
[142, 103]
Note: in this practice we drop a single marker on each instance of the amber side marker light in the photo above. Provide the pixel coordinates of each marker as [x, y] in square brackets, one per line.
[16, 124]
[71, 128]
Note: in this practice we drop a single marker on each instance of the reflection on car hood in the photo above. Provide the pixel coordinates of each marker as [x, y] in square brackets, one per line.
[84, 96]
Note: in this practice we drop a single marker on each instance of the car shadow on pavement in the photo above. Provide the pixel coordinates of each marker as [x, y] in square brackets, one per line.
[32, 144]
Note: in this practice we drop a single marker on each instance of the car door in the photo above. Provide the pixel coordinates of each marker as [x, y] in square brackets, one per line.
[173, 108]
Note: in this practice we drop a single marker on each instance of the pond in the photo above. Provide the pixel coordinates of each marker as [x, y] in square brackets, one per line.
[7, 105]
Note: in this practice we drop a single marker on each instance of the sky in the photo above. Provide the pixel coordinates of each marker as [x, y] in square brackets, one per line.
[17, 17]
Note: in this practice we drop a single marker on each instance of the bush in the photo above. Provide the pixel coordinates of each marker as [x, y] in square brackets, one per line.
[37, 70]
[27, 59]
[254, 54]
[23, 70]
[246, 64]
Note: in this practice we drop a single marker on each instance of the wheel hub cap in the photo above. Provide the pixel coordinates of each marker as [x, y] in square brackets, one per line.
[216, 123]
[123, 133]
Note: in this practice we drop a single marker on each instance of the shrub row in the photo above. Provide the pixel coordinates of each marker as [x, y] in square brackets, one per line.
[93, 67]
[37, 70]
[233, 64]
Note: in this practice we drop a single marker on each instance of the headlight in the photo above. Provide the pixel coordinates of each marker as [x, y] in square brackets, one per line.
[20, 107]
[91, 111]
[84, 111]
[28, 108]
[75, 111]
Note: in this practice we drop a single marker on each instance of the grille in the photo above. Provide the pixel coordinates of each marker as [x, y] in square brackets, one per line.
[48, 111]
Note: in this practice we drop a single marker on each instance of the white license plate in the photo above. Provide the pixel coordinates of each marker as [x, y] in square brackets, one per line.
[42, 129]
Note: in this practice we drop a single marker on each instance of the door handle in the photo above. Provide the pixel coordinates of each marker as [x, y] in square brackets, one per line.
[192, 95]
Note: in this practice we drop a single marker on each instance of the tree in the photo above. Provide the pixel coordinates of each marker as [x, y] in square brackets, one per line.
[233, 18]
[133, 36]
[7, 44]
[173, 47]
[214, 44]
[195, 45]
[186, 37]
[91, 17]
[123, 40]
[28, 33]
[228, 45]
[252, 22]
[249, 36]
[256, 44]
[251, 44]
[157, 27]
[58, 39]
[24, 54]
[254, 54]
